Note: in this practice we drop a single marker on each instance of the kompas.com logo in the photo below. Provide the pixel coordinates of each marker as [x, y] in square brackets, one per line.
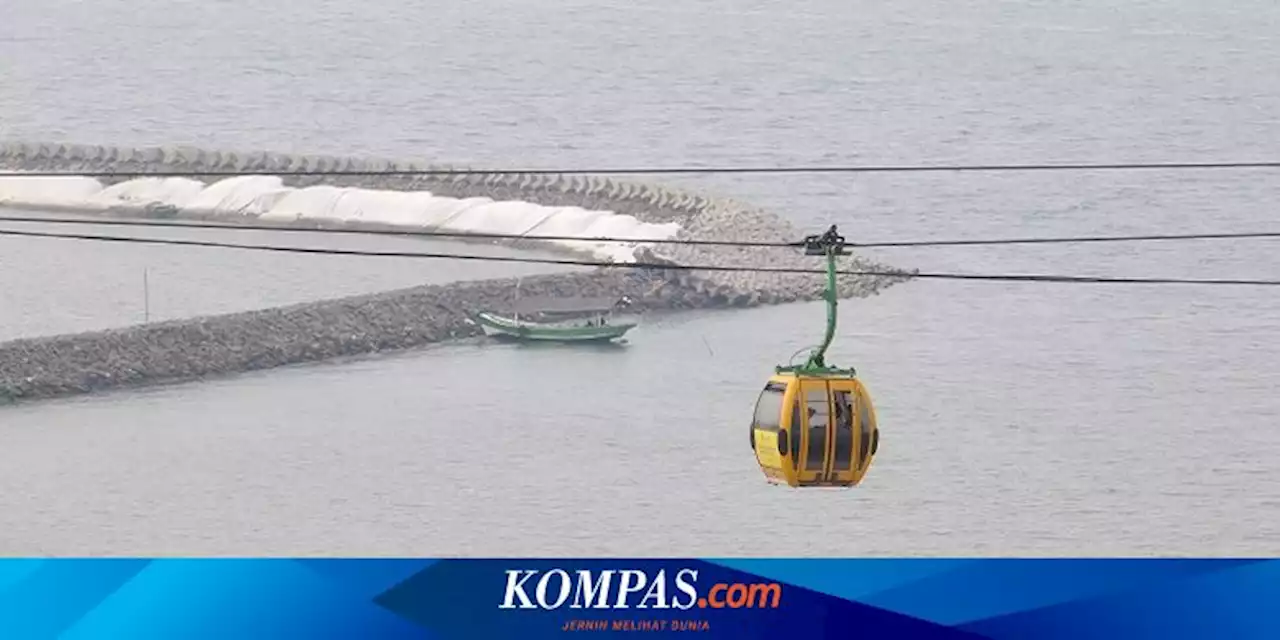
[586, 589]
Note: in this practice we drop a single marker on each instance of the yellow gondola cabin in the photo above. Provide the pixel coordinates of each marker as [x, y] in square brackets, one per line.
[815, 425]
[812, 431]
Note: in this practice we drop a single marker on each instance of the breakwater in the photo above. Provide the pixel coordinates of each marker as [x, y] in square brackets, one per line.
[219, 345]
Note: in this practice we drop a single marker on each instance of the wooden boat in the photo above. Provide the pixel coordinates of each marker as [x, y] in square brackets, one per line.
[558, 320]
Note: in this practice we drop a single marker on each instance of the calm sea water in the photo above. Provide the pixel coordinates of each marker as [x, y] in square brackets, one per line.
[1016, 418]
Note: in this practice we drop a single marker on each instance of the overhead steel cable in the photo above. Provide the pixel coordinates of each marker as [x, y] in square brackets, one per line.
[433, 233]
[423, 233]
[1073, 239]
[838, 169]
[1048, 278]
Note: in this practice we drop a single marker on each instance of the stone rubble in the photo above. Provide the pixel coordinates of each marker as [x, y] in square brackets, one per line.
[220, 345]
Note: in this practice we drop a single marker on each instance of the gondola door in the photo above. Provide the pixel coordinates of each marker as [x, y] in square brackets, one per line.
[815, 465]
[844, 445]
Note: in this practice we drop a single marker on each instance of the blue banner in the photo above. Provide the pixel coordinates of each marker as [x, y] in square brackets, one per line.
[543, 598]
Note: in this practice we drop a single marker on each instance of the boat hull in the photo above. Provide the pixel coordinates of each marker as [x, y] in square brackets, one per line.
[503, 327]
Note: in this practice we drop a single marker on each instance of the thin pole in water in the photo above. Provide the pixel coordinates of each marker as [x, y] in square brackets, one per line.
[146, 296]
[516, 305]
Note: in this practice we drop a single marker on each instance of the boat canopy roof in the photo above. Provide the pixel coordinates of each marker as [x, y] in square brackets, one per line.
[565, 305]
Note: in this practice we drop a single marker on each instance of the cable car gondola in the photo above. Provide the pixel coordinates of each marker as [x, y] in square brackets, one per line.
[814, 424]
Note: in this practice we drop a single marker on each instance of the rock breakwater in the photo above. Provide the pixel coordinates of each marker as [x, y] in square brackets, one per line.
[220, 345]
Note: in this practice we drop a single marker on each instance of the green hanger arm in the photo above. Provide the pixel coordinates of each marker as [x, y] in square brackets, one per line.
[817, 360]
[830, 244]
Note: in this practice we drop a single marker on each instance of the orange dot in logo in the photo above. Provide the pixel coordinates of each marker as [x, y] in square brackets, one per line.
[702, 603]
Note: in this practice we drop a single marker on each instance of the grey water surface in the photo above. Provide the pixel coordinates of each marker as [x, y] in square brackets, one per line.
[1017, 418]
